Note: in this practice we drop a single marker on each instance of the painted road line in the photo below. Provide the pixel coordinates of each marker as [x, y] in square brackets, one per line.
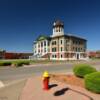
[15, 82]
[1, 84]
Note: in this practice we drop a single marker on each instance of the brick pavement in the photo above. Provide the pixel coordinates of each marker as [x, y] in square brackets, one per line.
[33, 90]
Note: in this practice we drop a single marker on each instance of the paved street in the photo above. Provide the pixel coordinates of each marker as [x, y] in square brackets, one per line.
[9, 74]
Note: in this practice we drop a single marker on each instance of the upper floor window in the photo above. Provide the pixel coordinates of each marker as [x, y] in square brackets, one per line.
[76, 42]
[48, 43]
[66, 49]
[53, 42]
[61, 41]
[73, 42]
[41, 44]
[78, 49]
[66, 41]
[61, 49]
[44, 43]
[53, 49]
[39, 50]
[73, 48]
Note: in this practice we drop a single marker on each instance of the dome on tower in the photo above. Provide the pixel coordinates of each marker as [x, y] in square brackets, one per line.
[58, 23]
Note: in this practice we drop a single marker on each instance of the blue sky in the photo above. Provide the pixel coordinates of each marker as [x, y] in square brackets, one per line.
[22, 21]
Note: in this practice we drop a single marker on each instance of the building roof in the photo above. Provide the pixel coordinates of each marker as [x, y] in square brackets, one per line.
[58, 23]
[42, 37]
[75, 36]
[70, 35]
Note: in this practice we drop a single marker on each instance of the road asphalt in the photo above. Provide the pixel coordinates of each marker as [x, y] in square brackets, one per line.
[8, 74]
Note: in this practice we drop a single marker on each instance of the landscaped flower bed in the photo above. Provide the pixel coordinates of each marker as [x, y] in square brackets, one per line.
[91, 80]
[69, 79]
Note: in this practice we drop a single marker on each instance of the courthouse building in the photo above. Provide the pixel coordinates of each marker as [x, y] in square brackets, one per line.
[60, 46]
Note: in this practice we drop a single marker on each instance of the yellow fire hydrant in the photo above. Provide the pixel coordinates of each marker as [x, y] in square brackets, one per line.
[46, 80]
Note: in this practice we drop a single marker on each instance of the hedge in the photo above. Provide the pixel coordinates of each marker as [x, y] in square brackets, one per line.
[14, 63]
[5, 63]
[20, 63]
[92, 82]
[81, 70]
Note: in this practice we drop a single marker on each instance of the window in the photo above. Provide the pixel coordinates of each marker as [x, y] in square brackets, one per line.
[76, 42]
[52, 56]
[59, 29]
[76, 48]
[61, 41]
[53, 49]
[61, 48]
[34, 46]
[61, 55]
[73, 41]
[53, 42]
[66, 49]
[44, 43]
[79, 42]
[66, 41]
[41, 44]
[73, 48]
[56, 30]
[44, 49]
[48, 49]
[41, 50]
[48, 43]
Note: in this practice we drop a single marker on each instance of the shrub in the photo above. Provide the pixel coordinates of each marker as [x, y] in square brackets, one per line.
[81, 70]
[19, 63]
[5, 63]
[92, 82]
[26, 62]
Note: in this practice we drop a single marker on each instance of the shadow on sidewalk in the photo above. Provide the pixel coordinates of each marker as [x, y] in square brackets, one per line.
[90, 98]
[52, 85]
[61, 92]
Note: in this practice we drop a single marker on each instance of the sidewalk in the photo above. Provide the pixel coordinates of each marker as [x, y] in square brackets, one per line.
[58, 91]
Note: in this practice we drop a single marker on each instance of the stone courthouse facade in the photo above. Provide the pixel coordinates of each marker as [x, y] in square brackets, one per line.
[60, 46]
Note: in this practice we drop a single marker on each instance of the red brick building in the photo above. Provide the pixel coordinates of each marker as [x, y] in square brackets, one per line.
[12, 55]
